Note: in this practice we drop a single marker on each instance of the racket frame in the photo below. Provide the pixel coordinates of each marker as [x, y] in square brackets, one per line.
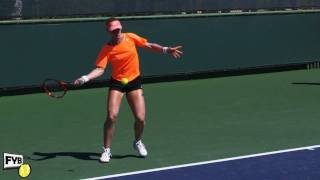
[61, 84]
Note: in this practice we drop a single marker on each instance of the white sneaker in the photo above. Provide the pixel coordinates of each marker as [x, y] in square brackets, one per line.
[140, 148]
[105, 156]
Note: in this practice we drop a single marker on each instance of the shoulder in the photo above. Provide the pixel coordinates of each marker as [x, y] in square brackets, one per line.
[105, 48]
[138, 40]
[132, 35]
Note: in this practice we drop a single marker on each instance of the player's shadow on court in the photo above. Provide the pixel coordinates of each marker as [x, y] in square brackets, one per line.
[78, 155]
[305, 83]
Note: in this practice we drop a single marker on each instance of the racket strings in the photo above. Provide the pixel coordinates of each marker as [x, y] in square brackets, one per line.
[55, 88]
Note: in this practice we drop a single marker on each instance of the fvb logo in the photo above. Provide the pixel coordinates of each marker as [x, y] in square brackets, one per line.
[11, 161]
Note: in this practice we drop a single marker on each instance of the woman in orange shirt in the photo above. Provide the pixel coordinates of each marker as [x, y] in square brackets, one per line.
[121, 52]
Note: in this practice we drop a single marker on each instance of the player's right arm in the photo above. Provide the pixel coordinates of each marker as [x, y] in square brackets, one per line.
[95, 73]
[101, 64]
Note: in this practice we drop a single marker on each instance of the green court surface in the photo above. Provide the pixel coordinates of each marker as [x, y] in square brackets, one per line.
[187, 122]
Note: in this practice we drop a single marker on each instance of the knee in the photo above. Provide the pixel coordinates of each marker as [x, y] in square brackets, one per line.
[140, 117]
[111, 118]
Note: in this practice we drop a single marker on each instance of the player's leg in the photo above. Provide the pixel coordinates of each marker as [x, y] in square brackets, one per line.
[136, 101]
[113, 106]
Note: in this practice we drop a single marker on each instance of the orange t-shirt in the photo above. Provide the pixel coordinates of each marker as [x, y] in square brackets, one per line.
[123, 57]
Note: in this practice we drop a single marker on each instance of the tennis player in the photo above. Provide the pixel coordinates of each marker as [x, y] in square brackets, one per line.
[121, 52]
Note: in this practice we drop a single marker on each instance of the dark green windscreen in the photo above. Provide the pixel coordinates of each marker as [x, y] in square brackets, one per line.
[71, 8]
[32, 52]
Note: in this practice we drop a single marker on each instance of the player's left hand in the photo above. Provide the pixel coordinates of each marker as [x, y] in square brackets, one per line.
[175, 51]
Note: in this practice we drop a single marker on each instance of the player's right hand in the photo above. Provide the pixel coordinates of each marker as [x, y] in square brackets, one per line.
[79, 82]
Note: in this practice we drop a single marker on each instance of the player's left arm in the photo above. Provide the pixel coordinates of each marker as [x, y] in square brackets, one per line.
[174, 51]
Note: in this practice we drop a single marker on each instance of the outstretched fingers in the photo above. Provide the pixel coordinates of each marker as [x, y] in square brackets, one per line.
[176, 53]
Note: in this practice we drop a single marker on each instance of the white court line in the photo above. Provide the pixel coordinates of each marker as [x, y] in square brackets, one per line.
[205, 162]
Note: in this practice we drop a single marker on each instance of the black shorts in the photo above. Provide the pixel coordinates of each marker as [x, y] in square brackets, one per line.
[125, 88]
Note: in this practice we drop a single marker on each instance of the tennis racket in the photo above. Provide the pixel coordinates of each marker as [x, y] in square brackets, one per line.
[56, 88]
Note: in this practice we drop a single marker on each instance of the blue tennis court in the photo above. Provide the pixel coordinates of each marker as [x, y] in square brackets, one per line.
[293, 164]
